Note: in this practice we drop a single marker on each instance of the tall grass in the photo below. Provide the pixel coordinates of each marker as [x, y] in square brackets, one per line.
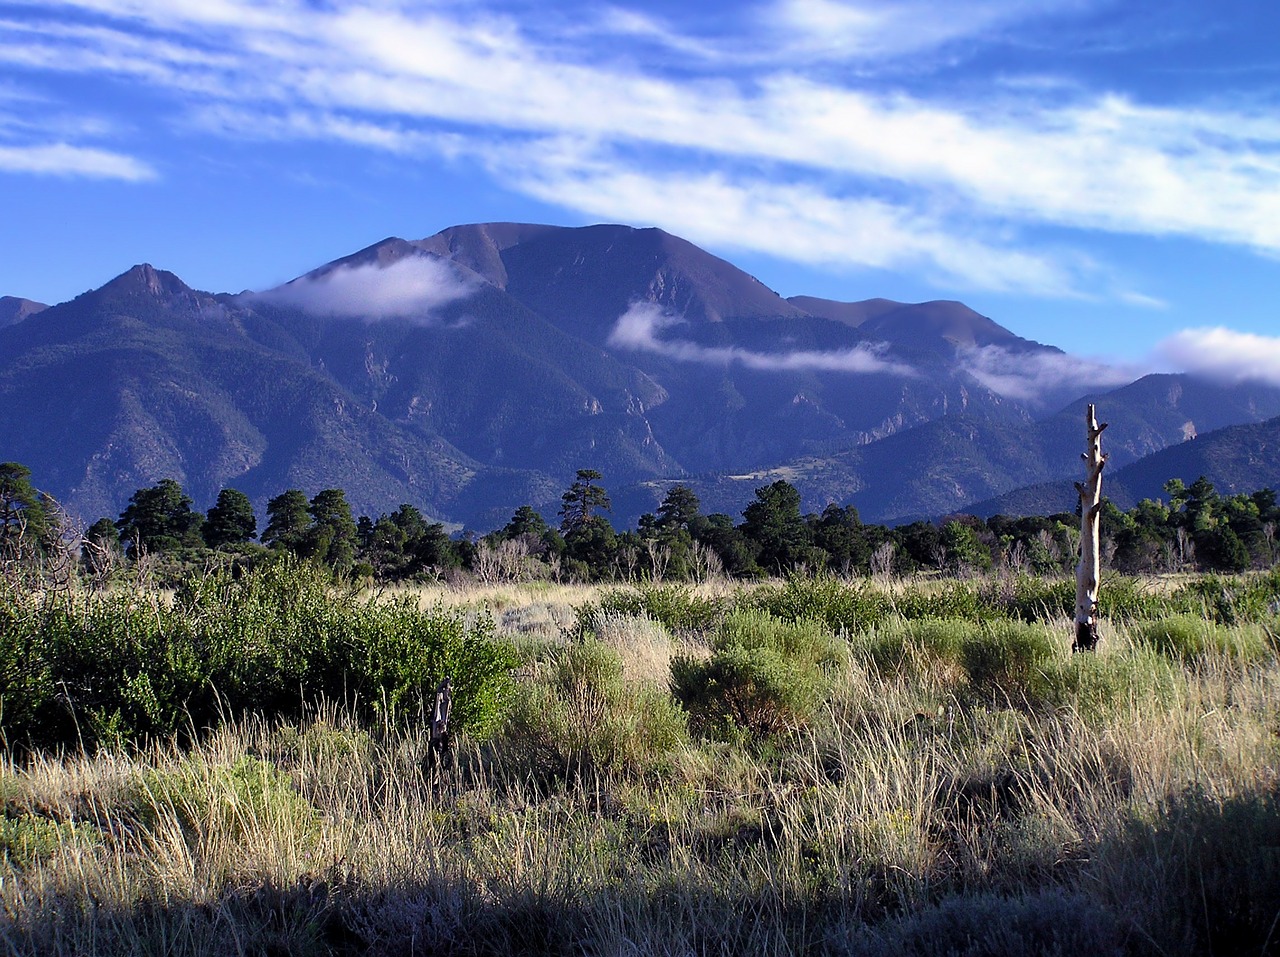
[961, 785]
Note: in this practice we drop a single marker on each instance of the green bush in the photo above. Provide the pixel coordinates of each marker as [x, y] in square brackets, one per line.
[1231, 600]
[1097, 686]
[952, 599]
[766, 676]
[27, 839]
[1008, 660]
[844, 606]
[1209, 868]
[900, 647]
[1053, 921]
[678, 608]
[120, 667]
[224, 798]
[1033, 599]
[583, 717]
[1187, 638]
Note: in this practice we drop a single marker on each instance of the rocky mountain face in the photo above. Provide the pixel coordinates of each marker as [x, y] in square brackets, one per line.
[475, 370]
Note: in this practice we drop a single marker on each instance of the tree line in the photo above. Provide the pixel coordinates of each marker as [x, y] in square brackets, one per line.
[1194, 529]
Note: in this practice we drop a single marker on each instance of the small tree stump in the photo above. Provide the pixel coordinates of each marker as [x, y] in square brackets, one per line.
[440, 718]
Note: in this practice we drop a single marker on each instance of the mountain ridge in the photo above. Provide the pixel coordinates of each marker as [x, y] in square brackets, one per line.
[475, 370]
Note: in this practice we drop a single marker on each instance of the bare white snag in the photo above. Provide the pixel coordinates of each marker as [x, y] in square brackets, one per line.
[1089, 571]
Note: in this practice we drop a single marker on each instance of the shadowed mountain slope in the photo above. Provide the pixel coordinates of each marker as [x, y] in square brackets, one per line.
[475, 370]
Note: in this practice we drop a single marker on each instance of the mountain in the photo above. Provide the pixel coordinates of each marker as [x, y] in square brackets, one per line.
[1237, 458]
[14, 309]
[147, 378]
[475, 370]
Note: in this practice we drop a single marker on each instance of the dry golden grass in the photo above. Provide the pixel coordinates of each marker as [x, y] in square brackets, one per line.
[909, 811]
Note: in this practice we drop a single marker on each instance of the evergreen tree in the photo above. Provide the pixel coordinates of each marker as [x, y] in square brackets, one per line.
[100, 548]
[964, 549]
[160, 519]
[287, 521]
[679, 508]
[590, 548]
[839, 533]
[528, 526]
[774, 524]
[730, 545]
[582, 498]
[331, 537]
[231, 520]
[24, 519]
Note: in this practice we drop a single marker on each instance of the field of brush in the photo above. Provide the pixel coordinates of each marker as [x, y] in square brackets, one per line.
[817, 766]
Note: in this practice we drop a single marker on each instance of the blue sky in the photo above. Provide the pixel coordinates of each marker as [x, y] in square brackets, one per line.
[1102, 176]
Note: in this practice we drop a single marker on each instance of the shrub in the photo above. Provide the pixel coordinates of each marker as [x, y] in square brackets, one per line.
[902, 647]
[1003, 660]
[1186, 638]
[226, 799]
[583, 717]
[27, 839]
[1053, 921]
[841, 605]
[678, 608]
[765, 676]
[121, 667]
[1007, 660]
[1209, 870]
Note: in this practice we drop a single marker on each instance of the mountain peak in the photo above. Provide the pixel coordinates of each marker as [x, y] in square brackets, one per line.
[588, 276]
[14, 309]
[146, 281]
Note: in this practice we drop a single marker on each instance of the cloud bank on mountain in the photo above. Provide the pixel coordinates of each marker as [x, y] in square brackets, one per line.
[640, 326]
[1224, 354]
[412, 288]
[1029, 376]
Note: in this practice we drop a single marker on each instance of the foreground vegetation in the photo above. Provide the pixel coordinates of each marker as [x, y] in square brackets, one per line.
[817, 766]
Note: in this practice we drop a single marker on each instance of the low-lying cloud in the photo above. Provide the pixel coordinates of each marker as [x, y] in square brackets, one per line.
[411, 288]
[1224, 354]
[1028, 376]
[639, 327]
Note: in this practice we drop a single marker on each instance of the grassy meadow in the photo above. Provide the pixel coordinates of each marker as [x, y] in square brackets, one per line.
[816, 766]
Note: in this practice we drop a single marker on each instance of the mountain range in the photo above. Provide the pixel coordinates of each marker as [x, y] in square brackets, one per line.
[475, 370]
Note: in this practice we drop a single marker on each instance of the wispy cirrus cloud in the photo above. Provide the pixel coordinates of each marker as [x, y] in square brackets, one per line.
[640, 328]
[411, 288]
[64, 159]
[1224, 354]
[845, 171]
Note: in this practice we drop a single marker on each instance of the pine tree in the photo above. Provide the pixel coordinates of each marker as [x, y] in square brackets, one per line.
[580, 500]
[160, 519]
[231, 520]
[24, 520]
[287, 521]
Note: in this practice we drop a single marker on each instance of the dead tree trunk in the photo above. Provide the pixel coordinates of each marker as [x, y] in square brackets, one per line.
[1089, 570]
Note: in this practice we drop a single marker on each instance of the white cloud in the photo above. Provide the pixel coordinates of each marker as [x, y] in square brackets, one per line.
[62, 159]
[413, 287]
[790, 221]
[892, 28]
[1031, 375]
[1224, 354]
[978, 171]
[640, 326]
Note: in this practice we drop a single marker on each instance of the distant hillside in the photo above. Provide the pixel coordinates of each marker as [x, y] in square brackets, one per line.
[1238, 458]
